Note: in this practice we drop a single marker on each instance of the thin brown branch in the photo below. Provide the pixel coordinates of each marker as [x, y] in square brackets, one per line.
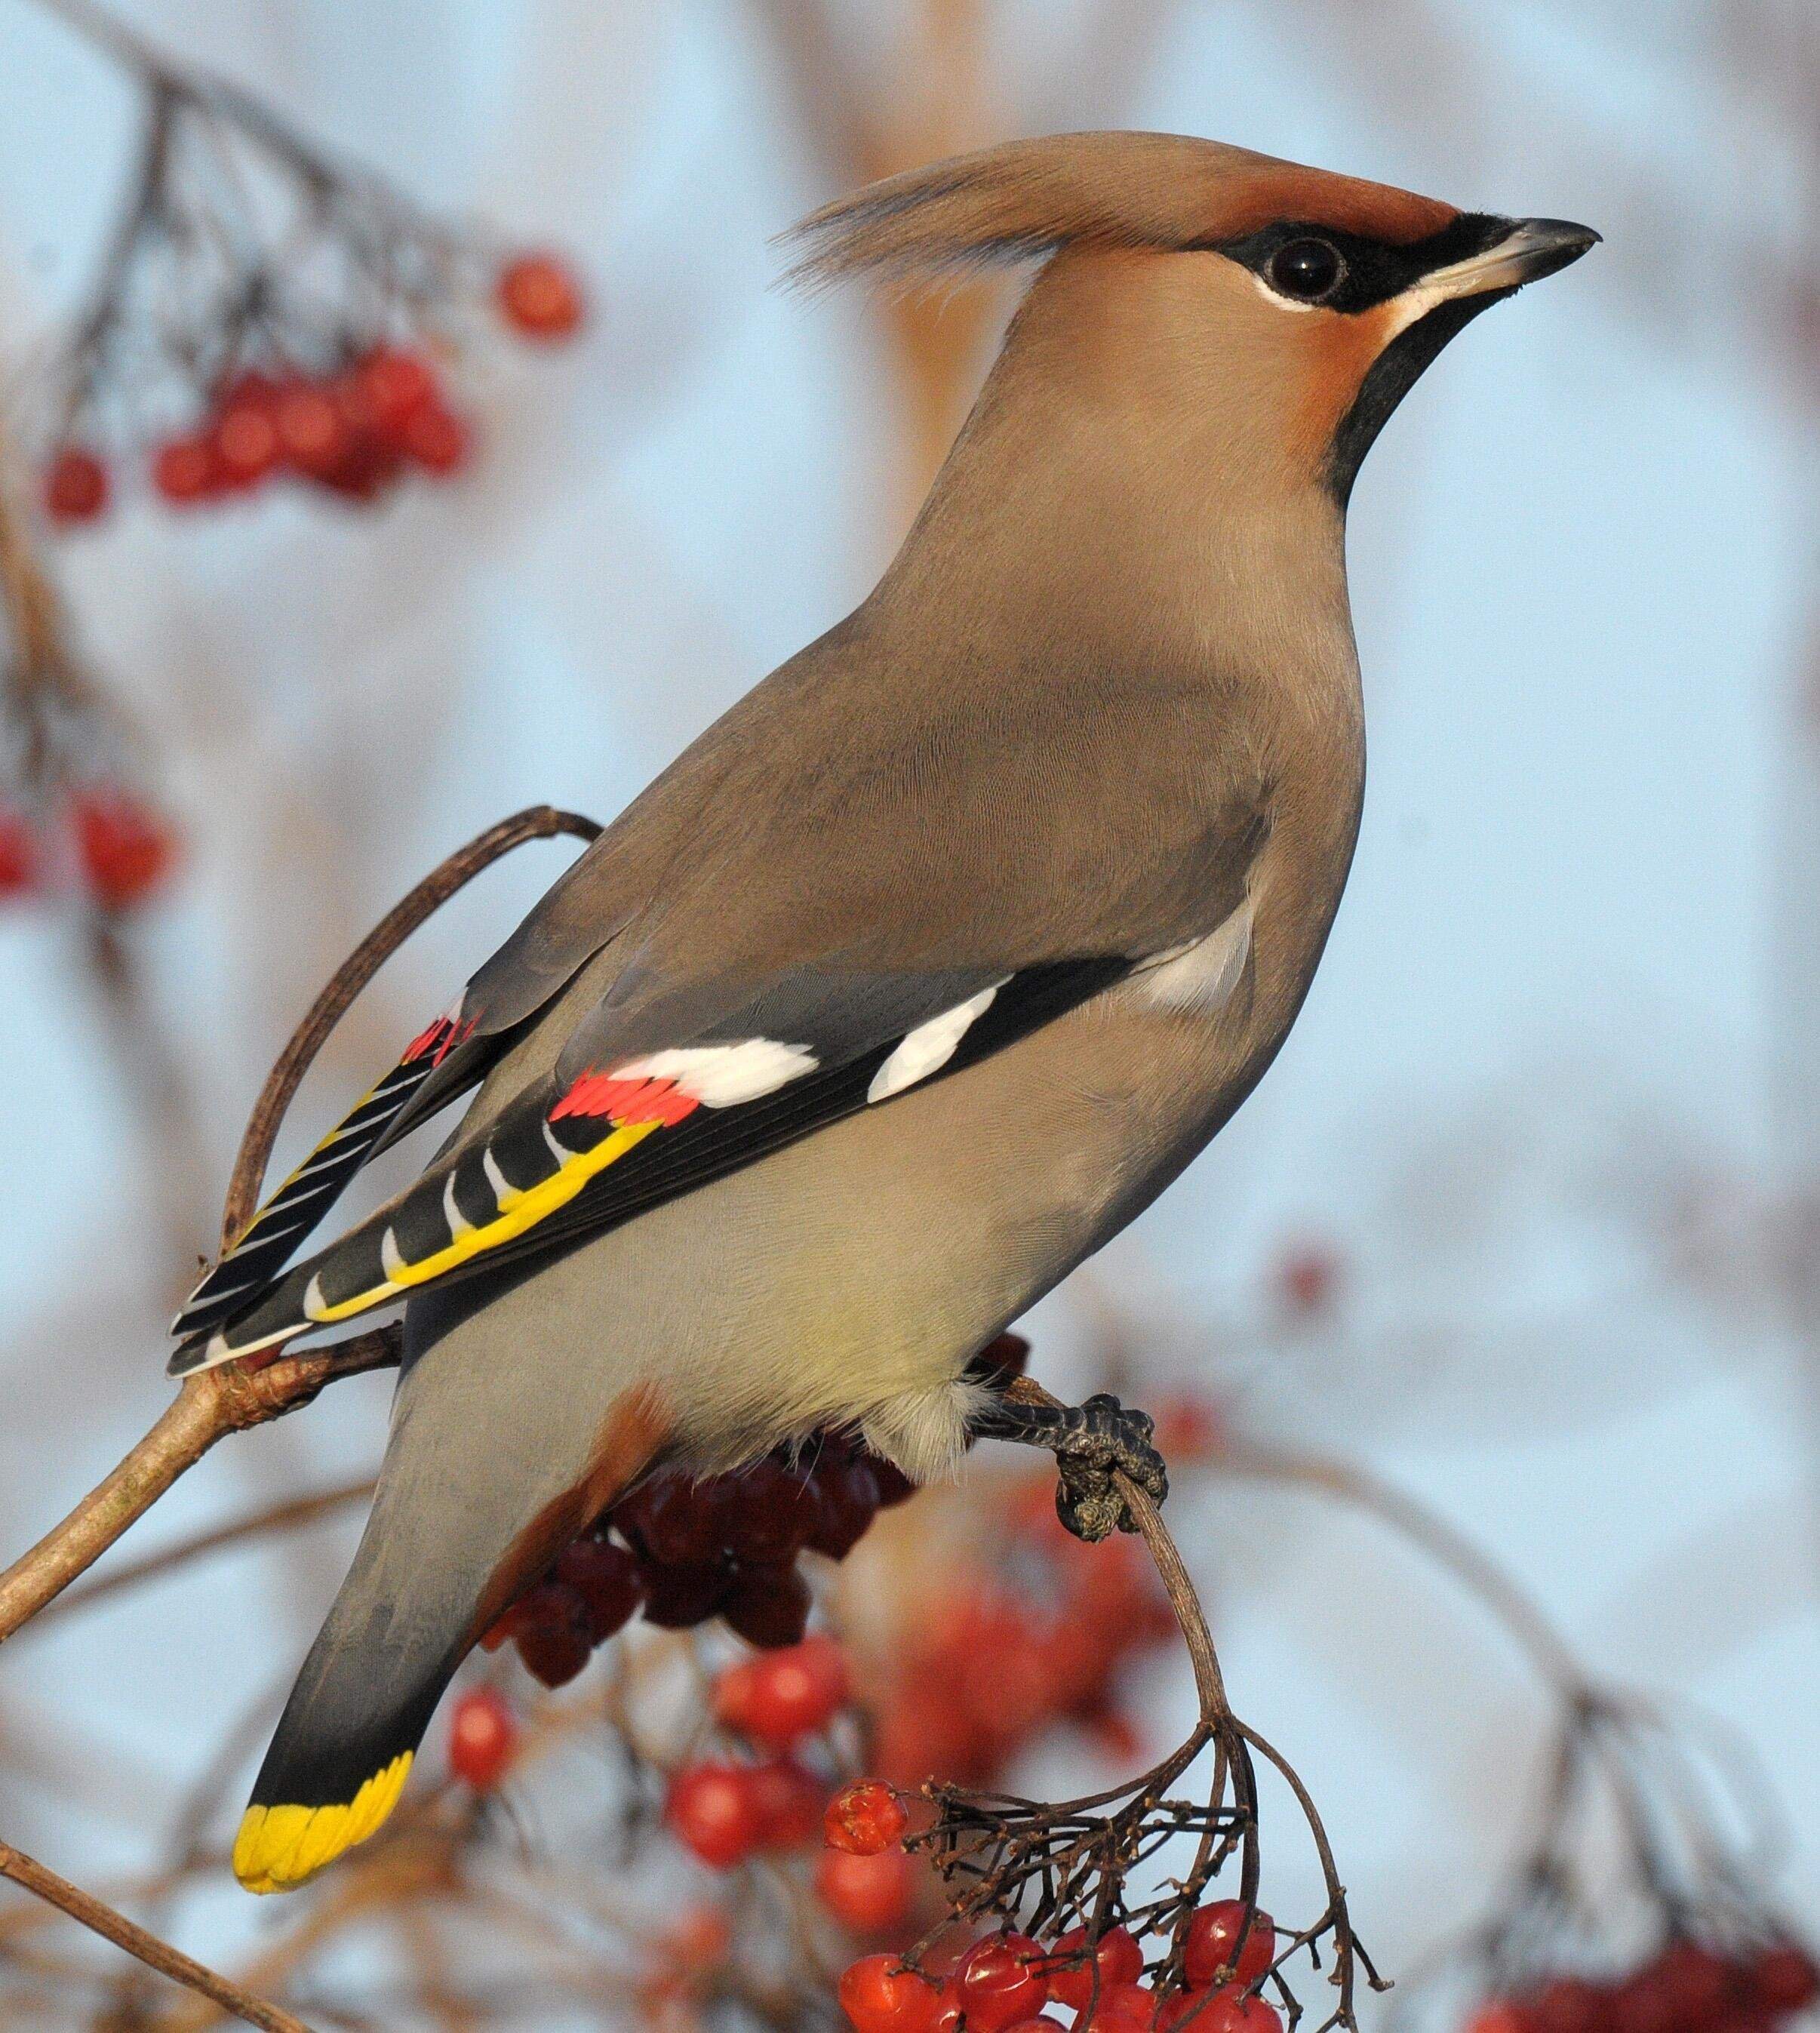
[113, 1926]
[1441, 1540]
[537, 822]
[211, 1405]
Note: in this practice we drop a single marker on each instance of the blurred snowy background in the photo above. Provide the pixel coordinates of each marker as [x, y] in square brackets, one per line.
[1550, 1125]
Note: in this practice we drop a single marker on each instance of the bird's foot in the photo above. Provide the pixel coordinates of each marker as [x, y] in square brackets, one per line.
[1092, 1443]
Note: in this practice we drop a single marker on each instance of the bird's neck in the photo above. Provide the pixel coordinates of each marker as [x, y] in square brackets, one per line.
[1122, 488]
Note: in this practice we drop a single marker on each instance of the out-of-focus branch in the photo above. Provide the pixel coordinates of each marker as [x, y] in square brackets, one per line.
[1441, 1540]
[210, 1406]
[287, 1516]
[113, 1926]
[538, 822]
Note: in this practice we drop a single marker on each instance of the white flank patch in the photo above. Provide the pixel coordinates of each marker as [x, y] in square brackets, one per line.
[1202, 975]
[724, 1076]
[930, 1047]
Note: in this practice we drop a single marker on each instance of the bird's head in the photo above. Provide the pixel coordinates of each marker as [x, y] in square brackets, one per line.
[1269, 316]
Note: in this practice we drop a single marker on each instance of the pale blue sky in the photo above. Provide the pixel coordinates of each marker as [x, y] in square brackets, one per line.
[1579, 556]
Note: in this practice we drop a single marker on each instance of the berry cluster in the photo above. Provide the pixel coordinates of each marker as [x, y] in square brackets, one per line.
[1000, 1661]
[295, 319]
[726, 1810]
[1004, 1982]
[1689, 1987]
[122, 850]
[686, 1549]
[683, 1550]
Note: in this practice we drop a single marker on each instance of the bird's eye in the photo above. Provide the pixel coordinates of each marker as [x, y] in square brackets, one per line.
[1306, 270]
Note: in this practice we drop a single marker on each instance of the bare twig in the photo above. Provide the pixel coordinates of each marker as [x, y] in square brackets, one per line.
[103, 1920]
[288, 1515]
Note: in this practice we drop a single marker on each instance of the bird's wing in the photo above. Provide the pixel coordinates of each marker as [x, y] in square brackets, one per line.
[862, 859]
[614, 1131]
[582, 912]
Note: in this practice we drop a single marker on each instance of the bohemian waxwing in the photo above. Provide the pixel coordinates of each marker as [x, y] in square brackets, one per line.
[925, 967]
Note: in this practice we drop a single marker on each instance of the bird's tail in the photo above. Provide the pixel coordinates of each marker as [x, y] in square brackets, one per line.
[470, 1513]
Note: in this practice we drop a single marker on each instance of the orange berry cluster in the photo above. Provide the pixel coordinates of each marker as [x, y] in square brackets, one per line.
[1007, 1982]
[354, 428]
[120, 847]
[994, 1666]
[1688, 1987]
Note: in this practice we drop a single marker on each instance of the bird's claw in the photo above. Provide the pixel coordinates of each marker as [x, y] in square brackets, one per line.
[1097, 1441]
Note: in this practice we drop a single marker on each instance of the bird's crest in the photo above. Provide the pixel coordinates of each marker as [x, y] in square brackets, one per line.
[1025, 199]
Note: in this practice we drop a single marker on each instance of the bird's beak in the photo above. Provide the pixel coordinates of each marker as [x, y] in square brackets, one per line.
[1523, 251]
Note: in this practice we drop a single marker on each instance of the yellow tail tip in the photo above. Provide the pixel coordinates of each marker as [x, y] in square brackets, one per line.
[280, 1848]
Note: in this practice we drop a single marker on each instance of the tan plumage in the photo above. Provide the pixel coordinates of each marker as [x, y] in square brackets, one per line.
[937, 957]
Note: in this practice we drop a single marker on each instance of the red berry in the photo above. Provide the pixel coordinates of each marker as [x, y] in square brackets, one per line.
[866, 1894]
[879, 1996]
[125, 850]
[1308, 1277]
[849, 1502]
[1568, 2005]
[437, 440]
[313, 431]
[394, 384]
[789, 1803]
[607, 1580]
[1002, 1980]
[1503, 2014]
[1213, 1941]
[1783, 1977]
[483, 1735]
[75, 485]
[246, 436]
[864, 1819]
[185, 469]
[768, 1606]
[678, 1598]
[1118, 1958]
[1699, 1983]
[787, 1695]
[18, 854]
[539, 296]
[1123, 2008]
[714, 1809]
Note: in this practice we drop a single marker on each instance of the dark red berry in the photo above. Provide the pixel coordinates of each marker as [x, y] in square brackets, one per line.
[607, 1580]
[768, 1607]
[678, 1598]
[1002, 1980]
[76, 485]
[125, 850]
[849, 1502]
[18, 854]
